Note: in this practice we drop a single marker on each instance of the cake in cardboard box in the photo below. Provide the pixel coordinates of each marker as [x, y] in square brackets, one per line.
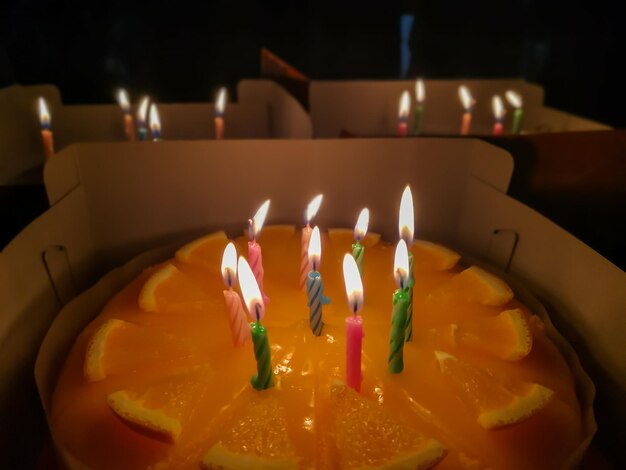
[428, 363]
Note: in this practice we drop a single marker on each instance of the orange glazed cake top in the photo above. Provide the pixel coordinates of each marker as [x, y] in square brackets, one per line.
[158, 380]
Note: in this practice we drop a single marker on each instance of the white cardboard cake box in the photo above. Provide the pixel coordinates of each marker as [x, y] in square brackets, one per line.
[110, 202]
[263, 110]
[370, 108]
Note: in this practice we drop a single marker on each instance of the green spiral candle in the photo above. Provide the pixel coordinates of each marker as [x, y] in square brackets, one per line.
[398, 327]
[417, 122]
[517, 120]
[358, 250]
[264, 378]
[409, 316]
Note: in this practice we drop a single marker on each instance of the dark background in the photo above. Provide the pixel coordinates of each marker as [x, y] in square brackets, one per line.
[183, 50]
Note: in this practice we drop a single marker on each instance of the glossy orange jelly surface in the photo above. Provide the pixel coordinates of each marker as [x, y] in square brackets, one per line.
[182, 361]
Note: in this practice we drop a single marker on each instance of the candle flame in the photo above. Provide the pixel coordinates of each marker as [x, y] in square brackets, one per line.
[420, 92]
[122, 99]
[250, 290]
[406, 224]
[142, 110]
[401, 264]
[313, 207]
[405, 104]
[498, 107]
[515, 99]
[229, 265]
[315, 249]
[466, 98]
[362, 223]
[44, 114]
[256, 223]
[220, 102]
[155, 121]
[353, 282]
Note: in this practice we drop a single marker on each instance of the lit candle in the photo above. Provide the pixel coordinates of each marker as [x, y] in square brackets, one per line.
[498, 113]
[360, 230]
[515, 99]
[46, 132]
[264, 378]
[220, 105]
[406, 226]
[399, 314]
[468, 103]
[403, 113]
[354, 322]
[315, 285]
[142, 118]
[255, 255]
[155, 123]
[420, 94]
[239, 327]
[129, 124]
[311, 211]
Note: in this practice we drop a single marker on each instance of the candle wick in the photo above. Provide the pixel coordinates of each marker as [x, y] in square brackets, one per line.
[257, 309]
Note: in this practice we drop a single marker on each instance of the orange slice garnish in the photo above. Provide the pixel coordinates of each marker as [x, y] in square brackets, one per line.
[368, 437]
[507, 335]
[169, 290]
[483, 287]
[430, 255]
[498, 401]
[162, 407]
[206, 251]
[120, 347]
[257, 438]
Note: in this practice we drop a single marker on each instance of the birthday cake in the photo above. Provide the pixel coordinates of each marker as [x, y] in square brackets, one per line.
[170, 375]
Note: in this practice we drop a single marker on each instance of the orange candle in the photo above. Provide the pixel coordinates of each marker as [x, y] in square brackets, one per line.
[129, 123]
[468, 102]
[46, 133]
[220, 105]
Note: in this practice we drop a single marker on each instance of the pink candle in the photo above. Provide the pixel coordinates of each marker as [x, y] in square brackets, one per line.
[354, 323]
[354, 339]
[498, 113]
[403, 113]
[466, 123]
[304, 255]
[255, 257]
[311, 211]
[239, 327]
[46, 132]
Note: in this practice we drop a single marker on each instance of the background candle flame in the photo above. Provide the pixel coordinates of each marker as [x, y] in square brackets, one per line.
[405, 104]
[362, 223]
[229, 265]
[256, 223]
[142, 110]
[44, 114]
[155, 121]
[498, 107]
[515, 99]
[466, 98]
[122, 99]
[315, 249]
[406, 224]
[401, 265]
[313, 207]
[353, 283]
[420, 92]
[250, 290]
[220, 102]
